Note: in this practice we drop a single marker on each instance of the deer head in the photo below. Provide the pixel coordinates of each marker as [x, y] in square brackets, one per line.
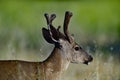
[65, 42]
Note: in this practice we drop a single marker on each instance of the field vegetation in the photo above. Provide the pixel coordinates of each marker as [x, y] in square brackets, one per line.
[95, 24]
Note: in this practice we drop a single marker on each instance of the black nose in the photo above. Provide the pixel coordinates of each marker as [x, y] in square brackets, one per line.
[90, 58]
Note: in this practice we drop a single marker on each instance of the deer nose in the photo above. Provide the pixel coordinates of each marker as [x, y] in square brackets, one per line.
[90, 58]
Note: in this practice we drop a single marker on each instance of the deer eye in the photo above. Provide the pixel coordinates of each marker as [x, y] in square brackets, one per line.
[76, 48]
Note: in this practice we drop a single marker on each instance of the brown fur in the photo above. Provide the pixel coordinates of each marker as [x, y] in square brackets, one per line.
[50, 69]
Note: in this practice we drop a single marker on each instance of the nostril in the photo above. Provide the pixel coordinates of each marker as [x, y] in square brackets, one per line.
[90, 58]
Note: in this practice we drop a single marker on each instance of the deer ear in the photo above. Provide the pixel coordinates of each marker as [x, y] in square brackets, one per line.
[47, 36]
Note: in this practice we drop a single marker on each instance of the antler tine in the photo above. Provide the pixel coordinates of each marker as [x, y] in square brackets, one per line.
[47, 18]
[52, 17]
[68, 15]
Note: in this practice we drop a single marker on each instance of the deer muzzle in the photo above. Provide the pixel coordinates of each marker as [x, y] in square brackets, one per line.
[88, 60]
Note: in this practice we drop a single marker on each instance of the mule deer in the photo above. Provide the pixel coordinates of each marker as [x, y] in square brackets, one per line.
[66, 51]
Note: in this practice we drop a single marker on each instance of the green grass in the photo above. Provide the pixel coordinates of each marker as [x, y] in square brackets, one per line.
[21, 21]
[95, 24]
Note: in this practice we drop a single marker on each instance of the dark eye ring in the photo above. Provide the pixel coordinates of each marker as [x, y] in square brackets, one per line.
[76, 48]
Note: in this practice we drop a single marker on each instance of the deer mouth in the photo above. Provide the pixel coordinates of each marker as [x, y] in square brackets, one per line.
[86, 62]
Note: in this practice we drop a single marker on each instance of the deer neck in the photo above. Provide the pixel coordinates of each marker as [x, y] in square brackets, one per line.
[57, 59]
[55, 64]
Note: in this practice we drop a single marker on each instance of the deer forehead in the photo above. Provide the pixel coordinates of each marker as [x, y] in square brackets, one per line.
[64, 42]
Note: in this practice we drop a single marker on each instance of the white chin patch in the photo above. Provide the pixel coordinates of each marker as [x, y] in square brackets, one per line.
[88, 63]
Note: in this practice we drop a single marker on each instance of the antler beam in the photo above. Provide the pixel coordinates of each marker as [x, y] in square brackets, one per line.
[68, 15]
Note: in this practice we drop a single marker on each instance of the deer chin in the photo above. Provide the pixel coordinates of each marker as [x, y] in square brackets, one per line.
[86, 62]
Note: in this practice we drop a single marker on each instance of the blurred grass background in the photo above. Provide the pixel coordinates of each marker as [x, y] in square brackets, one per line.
[95, 24]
